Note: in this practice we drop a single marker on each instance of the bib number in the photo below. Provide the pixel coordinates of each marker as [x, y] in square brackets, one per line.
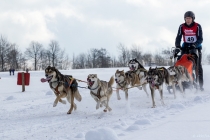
[190, 39]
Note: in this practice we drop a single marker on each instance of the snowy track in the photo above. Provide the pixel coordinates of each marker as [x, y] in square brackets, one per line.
[31, 115]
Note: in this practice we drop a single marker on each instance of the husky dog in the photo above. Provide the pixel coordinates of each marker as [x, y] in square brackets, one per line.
[134, 65]
[137, 74]
[63, 86]
[175, 76]
[178, 74]
[100, 90]
[156, 77]
[122, 82]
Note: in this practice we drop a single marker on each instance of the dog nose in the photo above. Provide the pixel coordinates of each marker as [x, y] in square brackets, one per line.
[46, 75]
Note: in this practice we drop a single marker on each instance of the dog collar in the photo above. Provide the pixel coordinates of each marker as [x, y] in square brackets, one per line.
[94, 88]
[122, 83]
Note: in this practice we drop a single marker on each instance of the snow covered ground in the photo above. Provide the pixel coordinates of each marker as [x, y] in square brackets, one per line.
[31, 115]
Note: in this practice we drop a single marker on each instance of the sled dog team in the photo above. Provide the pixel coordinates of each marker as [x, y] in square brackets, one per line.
[101, 91]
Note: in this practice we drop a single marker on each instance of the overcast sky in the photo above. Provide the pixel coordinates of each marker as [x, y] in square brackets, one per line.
[79, 25]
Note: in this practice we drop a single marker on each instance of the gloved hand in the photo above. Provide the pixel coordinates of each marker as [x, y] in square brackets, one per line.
[177, 50]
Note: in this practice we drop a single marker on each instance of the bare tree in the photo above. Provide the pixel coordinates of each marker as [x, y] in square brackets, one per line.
[80, 61]
[159, 60]
[13, 57]
[124, 56]
[147, 58]
[103, 59]
[55, 53]
[66, 63]
[93, 57]
[4, 49]
[136, 52]
[34, 52]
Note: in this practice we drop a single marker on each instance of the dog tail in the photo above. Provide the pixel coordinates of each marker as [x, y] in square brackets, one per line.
[111, 81]
[166, 75]
[77, 96]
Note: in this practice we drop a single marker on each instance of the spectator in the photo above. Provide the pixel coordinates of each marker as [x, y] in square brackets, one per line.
[13, 71]
[27, 70]
[10, 70]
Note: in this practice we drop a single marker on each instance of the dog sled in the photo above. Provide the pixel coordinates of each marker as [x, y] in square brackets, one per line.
[189, 62]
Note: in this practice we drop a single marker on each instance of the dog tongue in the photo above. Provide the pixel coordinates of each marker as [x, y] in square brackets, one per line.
[43, 80]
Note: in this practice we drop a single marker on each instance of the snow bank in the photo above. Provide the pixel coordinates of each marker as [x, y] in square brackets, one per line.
[49, 93]
[10, 98]
[177, 106]
[133, 127]
[80, 135]
[198, 99]
[143, 122]
[101, 134]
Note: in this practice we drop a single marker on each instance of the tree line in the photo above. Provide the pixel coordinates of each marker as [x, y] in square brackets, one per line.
[38, 56]
[101, 58]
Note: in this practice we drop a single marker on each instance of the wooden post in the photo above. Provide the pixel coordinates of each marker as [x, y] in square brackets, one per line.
[23, 82]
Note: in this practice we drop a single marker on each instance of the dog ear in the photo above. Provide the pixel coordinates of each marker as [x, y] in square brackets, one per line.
[99, 82]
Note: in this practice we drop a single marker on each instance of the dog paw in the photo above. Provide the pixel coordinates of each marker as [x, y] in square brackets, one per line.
[68, 112]
[54, 104]
[63, 102]
[118, 98]
[109, 109]
[105, 110]
[153, 106]
[75, 107]
[97, 107]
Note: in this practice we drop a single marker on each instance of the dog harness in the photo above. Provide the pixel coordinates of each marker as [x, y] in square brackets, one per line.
[98, 93]
[56, 89]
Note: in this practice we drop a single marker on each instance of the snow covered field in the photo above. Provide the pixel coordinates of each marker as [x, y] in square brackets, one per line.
[31, 115]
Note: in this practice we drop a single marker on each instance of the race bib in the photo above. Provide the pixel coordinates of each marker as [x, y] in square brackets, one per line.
[190, 39]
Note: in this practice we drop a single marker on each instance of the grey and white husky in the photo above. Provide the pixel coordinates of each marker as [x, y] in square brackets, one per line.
[156, 77]
[178, 74]
[137, 74]
[124, 79]
[100, 90]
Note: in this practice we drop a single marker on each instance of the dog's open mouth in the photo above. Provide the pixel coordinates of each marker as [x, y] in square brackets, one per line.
[132, 68]
[47, 79]
[90, 83]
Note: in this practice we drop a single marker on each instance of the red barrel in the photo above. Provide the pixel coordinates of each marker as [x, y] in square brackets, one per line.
[26, 76]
